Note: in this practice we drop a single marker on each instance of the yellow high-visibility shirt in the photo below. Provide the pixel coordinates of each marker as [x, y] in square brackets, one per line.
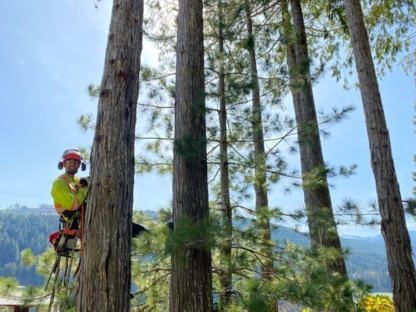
[67, 193]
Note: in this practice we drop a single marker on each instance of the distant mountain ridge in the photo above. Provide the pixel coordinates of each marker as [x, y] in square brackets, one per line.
[367, 258]
[43, 209]
[280, 232]
[378, 237]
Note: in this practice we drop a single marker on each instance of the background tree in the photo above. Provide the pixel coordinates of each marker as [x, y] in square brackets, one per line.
[191, 277]
[321, 221]
[104, 281]
[393, 223]
[260, 156]
[225, 272]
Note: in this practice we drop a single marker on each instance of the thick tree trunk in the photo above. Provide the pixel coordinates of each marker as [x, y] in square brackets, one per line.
[104, 281]
[226, 212]
[321, 221]
[191, 276]
[393, 222]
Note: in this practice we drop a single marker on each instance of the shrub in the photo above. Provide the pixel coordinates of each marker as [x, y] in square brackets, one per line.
[378, 303]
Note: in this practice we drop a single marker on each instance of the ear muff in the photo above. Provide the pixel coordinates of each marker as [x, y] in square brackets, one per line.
[83, 166]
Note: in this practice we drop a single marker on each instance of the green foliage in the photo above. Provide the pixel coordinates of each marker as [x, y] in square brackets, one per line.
[151, 265]
[27, 258]
[93, 91]
[86, 122]
[315, 178]
[190, 148]
[299, 278]
[390, 25]
[8, 285]
[188, 234]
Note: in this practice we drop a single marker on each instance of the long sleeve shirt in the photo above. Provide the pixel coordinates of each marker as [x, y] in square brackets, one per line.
[67, 193]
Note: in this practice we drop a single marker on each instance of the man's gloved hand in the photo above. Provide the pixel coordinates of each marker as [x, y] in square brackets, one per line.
[85, 181]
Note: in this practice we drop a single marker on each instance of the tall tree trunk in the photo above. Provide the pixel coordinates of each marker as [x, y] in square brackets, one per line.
[104, 282]
[321, 221]
[260, 157]
[260, 181]
[393, 222]
[226, 212]
[191, 276]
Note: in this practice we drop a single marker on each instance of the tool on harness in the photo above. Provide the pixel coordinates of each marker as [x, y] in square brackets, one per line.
[65, 240]
[67, 243]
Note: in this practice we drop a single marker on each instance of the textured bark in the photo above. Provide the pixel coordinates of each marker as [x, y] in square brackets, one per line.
[104, 281]
[321, 221]
[191, 276]
[393, 222]
[225, 275]
[260, 182]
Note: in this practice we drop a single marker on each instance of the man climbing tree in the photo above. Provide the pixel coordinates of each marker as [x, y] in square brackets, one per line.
[105, 272]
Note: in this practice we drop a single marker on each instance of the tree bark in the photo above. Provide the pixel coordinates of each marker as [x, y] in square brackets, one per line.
[393, 222]
[191, 276]
[321, 221]
[104, 280]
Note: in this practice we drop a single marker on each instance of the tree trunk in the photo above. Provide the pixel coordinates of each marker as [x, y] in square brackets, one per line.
[393, 222]
[225, 275]
[104, 281]
[260, 181]
[191, 276]
[260, 157]
[321, 221]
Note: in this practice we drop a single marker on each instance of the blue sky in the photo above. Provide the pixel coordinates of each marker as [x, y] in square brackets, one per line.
[51, 52]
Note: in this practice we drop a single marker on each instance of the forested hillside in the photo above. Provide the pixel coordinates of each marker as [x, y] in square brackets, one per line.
[367, 258]
[30, 228]
[24, 228]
